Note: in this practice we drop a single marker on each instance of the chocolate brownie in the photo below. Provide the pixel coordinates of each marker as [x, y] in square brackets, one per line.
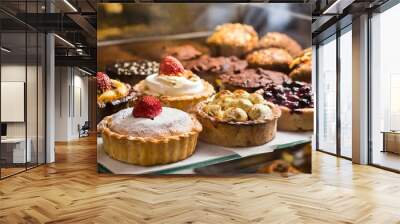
[252, 79]
[182, 52]
[209, 68]
[132, 71]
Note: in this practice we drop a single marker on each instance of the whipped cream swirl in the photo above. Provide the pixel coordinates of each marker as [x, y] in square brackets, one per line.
[174, 85]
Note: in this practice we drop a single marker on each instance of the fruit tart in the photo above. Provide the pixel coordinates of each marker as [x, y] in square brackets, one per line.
[296, 102]
[112, 95]
[175, 86]
[237, 119]
[149, 134]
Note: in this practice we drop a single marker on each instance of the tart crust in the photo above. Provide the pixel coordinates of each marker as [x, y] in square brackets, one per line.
[237, 134]
[186, 103]
[149, 151]
[297, 120]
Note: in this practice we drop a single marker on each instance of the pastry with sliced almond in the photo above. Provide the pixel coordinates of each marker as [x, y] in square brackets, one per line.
[237, 119]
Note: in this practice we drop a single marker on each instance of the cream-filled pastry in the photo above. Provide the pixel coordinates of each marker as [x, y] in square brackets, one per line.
[175, 86]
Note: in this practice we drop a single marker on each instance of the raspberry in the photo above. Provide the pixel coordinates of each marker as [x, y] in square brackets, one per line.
[103, 81]
[147, 107]
[171, 66]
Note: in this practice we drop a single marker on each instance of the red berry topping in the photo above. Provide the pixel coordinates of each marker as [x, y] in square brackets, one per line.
[147, 107]
[171, 66]
[103, 81]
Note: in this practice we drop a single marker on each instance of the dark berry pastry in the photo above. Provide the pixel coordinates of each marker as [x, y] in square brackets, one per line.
[112, 95]
[301, 67]
[296, 102]
[251, 79]
[280, 40]
[209, 68]
[132, 72]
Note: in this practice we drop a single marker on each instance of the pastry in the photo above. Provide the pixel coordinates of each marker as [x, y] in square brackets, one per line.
[182, 52]
[149, 134]
[280, 40]
[279, 166]
[132, 72]
[275, 59]
[233, 39]
[175, 86]
[237, 119]
[301, 67]
[251, 79]
[208, 68]
[296, 103]
[112, 95]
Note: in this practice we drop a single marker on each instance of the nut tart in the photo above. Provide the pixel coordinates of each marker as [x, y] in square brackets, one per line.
[296, 102]
[175, 87]
[237, 119]
[112, 95]
[150, 134]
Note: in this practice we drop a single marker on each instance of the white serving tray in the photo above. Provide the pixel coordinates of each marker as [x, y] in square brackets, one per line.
[205, 154]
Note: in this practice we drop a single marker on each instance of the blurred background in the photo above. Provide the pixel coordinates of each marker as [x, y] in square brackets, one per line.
[132, 31]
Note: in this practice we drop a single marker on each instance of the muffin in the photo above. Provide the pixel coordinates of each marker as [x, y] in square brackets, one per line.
[296, 102]
[132, 72]
[301, 67]
[149, 134]
[280, 40]
[209, 68]
[275, 59]
[233, 39]
[251, 79]
[175, 86]
[182, 52]
[237, 119]
[112, 95]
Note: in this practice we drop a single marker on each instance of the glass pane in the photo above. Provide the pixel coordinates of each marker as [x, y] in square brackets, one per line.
[327, 96]
[385, 83]
[41, 99]
[13, 85]
[31, 99]
[346, 94]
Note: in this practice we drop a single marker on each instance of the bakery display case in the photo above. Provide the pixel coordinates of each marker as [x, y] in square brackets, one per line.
[224, 67]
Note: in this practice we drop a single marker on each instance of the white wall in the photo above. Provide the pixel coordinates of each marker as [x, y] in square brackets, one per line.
[34, 125]
[71, 94]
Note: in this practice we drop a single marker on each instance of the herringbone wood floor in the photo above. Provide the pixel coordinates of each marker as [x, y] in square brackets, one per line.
[71, 191]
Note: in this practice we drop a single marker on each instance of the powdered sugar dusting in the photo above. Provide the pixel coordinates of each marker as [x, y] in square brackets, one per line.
[170, 122]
